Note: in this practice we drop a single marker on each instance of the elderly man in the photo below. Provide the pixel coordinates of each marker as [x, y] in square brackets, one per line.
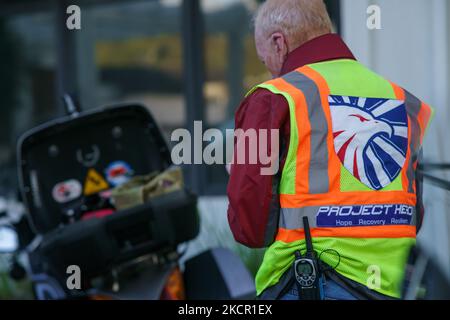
[349, 146]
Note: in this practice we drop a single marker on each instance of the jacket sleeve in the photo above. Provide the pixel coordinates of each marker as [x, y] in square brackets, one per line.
[253, 198]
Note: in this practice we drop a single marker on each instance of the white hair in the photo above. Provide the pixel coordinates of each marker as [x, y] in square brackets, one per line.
[299, 20]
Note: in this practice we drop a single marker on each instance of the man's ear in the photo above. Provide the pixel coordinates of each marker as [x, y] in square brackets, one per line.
[279, 43]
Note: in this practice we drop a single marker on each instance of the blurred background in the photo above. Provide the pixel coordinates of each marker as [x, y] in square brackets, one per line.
[189, 60]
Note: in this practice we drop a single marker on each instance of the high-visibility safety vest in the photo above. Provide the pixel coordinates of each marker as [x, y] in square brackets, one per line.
[350, 168]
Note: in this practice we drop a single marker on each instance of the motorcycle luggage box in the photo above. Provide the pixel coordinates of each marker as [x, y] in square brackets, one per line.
[96, 245]
[67, 152]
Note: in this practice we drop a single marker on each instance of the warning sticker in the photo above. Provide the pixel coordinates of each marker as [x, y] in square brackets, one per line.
[94, 183]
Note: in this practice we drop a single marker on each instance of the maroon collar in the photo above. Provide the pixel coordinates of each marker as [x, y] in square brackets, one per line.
[324, 48]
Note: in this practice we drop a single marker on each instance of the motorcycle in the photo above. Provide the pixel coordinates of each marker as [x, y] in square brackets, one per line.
[84, 248]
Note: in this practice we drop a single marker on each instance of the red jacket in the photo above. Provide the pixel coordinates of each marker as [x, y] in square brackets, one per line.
[253, 198]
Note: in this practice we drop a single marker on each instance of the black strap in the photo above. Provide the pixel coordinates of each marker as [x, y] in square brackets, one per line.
[278, 290]
[356, 289]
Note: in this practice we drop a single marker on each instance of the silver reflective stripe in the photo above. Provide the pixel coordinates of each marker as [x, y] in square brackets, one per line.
[318, 166]
[414, 218]
[413, 106]
[292, 219]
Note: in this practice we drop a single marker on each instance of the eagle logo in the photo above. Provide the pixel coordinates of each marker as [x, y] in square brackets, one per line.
[370, 137]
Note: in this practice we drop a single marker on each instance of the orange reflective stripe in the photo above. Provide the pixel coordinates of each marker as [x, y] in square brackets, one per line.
[399, 231]
[334, 164]
[399, 92]
[347, 198]
[424, 118]
[400, 95]
[405, 179]
[304, 128]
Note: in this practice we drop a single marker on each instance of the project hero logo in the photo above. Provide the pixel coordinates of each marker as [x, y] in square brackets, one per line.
[365, 215]
[367, 210]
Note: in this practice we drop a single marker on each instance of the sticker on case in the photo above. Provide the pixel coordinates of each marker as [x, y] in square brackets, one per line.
[94, 183]
[67, 191]
[118, 173]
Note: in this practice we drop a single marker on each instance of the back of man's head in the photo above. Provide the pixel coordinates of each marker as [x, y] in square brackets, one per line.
[299, 20]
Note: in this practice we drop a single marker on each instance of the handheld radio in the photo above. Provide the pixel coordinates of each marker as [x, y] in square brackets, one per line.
[307, 269]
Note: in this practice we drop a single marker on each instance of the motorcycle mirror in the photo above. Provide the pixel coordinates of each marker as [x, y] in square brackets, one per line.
[9, 241]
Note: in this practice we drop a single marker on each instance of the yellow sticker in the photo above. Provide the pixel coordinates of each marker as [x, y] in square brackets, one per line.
[94, 183]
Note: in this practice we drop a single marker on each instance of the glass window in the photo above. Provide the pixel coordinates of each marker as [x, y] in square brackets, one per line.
[27, 91]
[138, 57]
